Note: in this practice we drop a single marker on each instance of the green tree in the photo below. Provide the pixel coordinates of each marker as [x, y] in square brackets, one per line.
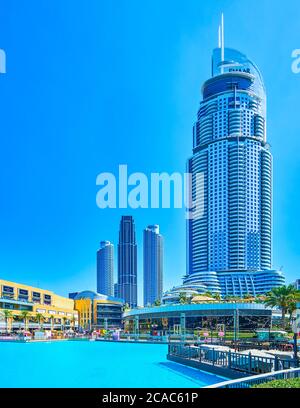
[73, 321]
[39, 318]
[8, 315]
[52, 322]
[157, 302]
[25, 315]
[233, 298]
[126, 307]
[291, 309]
[285, 298]
[260, 299]
[64, 320]
[183, 299]
[217, 296]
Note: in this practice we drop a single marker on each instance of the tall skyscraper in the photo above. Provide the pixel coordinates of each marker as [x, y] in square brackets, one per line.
[127, 262]
[229, 245]
[153, 264]
[105, 268]
[229, 231]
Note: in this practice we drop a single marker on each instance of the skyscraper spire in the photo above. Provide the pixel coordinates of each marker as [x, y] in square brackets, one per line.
[222, 41]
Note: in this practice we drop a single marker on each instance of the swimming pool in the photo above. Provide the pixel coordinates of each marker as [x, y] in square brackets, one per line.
[95, 364]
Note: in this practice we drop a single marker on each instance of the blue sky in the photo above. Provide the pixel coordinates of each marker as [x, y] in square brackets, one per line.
[90, 85]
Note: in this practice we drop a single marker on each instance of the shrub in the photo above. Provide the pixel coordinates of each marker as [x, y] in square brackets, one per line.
[290, 383]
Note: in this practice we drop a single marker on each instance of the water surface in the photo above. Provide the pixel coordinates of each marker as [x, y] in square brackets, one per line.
[95, 364]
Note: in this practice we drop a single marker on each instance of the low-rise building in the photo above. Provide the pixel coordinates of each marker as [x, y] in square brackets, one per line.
[33, 308]
[207, 316]
[97, 311]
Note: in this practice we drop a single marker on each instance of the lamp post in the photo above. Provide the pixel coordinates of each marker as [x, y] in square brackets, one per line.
[295, 327]
[236, 325]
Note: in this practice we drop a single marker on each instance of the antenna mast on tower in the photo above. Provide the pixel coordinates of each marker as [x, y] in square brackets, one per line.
[221, 40]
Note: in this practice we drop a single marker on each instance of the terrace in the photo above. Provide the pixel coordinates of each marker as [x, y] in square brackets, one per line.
[227, 362]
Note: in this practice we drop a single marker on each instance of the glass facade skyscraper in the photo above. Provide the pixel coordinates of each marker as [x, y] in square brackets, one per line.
[229, 231]
[126, 287]
[153, 264]
[105, 268]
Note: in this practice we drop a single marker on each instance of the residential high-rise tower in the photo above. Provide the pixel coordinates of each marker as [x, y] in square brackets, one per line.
[126, 287]
[153, 264]
[105, 268]
[230, 228]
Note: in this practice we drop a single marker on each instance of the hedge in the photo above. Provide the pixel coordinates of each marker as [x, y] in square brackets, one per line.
[290, 383]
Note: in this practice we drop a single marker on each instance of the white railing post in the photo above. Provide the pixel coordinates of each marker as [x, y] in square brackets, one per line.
[250, 363]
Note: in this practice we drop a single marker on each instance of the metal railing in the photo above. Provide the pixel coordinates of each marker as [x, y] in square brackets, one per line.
[248, 382]
[247, 363]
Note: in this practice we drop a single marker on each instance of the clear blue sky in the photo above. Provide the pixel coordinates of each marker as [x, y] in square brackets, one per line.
[91, 84]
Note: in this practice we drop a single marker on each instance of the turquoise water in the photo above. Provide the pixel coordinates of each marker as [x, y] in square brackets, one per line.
[94, 364]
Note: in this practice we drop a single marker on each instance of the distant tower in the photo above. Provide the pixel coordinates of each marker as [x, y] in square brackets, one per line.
[153, 264]
[105, 268]
[126, 287]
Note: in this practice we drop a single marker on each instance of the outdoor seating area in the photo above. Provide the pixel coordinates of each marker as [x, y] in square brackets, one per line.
[251, 361]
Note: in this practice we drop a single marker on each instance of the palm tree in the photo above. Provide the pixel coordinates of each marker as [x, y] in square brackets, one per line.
[64, 320]
[25, 316]
[157, 302]
[291, 309]
[73, 320]
[284, 297]
[126, 307]
[260, 299]
[7, 314]
[40, 318]
[183, 299]
[52, 322]
[217, 296]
